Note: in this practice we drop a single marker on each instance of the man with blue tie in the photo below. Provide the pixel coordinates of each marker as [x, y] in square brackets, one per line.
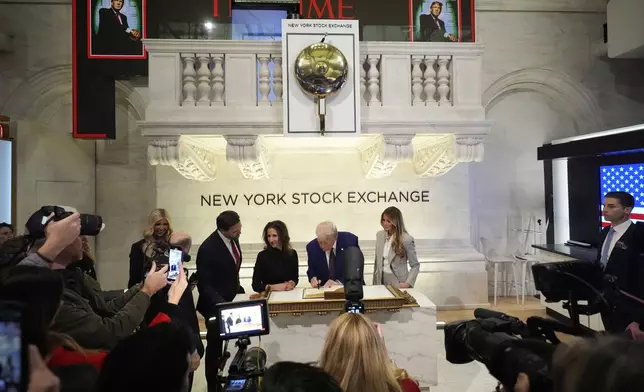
[620, 252]
[325, 255]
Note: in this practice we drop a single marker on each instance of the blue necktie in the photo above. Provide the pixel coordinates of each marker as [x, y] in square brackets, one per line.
[609, 239]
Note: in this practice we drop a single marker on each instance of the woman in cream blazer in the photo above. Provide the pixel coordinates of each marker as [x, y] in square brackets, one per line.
[395, 249]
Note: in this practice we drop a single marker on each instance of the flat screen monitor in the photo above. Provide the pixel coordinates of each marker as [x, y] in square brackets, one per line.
[6, 180]
[623, 178]
[257, 24]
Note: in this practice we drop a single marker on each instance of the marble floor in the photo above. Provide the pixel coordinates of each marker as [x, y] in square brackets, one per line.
[471, 377]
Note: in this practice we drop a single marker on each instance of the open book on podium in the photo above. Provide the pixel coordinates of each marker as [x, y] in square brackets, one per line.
[304, 300]
[335, 292]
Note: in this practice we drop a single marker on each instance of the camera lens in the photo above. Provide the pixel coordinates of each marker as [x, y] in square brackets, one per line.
[90, 224]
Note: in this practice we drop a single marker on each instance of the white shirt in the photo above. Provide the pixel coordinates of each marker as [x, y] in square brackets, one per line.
[229, 245]
[619, 232]
[386, 266]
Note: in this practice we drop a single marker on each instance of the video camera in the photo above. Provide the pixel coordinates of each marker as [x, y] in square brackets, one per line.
[507, 346]
[504, 345]
[241, 321]
[353, 262]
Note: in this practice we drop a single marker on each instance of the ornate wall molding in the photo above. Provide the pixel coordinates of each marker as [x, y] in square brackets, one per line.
[568, 94]
[41, 89]
[468, 149]
[35, 95]
[435, 157]
[250, 154]
[380, 155]
[189, 159]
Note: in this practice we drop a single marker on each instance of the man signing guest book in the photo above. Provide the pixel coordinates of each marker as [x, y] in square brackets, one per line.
[324, 255]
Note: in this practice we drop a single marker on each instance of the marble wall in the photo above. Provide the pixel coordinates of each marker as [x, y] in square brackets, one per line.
[579, 90]
[444, 214]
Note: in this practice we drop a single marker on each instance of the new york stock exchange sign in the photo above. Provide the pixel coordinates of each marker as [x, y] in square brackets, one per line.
[304, 198]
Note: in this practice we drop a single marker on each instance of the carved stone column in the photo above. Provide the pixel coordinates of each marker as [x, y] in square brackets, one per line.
[189, 159]
[250, 155]
[381, 155]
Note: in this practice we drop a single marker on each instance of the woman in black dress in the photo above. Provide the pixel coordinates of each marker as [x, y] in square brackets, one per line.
[277, 265]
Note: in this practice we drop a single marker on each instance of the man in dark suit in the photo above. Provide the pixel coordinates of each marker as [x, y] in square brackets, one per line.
[218, 261]
[324, 255]
[621, 253]
[432, 28]
[115, 37]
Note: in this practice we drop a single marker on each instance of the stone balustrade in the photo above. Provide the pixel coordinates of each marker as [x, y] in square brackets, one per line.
[232, 85]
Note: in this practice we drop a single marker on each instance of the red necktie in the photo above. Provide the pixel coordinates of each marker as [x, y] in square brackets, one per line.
[235, 254]
[118, 16]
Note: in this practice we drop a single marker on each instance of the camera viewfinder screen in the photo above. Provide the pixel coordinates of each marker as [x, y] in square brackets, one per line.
[241, 321]
[10, 356]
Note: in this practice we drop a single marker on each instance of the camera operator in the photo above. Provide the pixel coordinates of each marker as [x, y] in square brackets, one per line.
[297, 377]
[605, 364]
[84, 314]
[620, 254]
[155, 359]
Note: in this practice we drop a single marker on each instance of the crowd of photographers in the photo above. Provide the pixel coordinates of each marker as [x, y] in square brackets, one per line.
[78, 337]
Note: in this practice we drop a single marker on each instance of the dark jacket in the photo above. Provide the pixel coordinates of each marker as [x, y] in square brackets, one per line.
[430, 31]
[137, 263]
[90, 320]
[112, 37]
[626, 261]
[218, 274]
[317, 257]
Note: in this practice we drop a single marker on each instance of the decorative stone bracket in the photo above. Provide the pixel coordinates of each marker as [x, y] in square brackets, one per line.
[189, 159]
[438, 156]
[381, 155]
[431, 157]
[250, 154]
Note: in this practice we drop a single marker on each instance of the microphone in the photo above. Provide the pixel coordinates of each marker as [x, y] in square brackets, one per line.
[353, 262]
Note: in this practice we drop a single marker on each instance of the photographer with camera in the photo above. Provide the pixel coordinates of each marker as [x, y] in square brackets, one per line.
[84, 314]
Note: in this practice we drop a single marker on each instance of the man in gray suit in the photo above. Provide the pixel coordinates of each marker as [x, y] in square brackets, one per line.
[395, 248]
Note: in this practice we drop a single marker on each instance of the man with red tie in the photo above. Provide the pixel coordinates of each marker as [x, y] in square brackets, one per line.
[218, 261]
[115, 37]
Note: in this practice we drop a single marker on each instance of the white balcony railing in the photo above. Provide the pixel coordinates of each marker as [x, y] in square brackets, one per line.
[230, 85]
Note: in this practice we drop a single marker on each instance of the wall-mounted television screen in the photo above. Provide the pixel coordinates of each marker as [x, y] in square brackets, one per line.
[624, 178]
[6, 180]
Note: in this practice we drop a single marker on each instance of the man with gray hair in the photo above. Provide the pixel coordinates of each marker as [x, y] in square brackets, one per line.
[324, 254]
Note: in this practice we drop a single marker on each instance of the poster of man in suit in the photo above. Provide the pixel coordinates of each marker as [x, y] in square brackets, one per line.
[441, 21]
[116, 28]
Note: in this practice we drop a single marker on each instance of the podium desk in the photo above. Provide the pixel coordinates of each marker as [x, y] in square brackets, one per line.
[410, 332]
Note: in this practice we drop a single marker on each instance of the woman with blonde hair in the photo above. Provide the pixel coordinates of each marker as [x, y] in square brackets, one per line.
[395, 248]
[159, 229]
[355, 355]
